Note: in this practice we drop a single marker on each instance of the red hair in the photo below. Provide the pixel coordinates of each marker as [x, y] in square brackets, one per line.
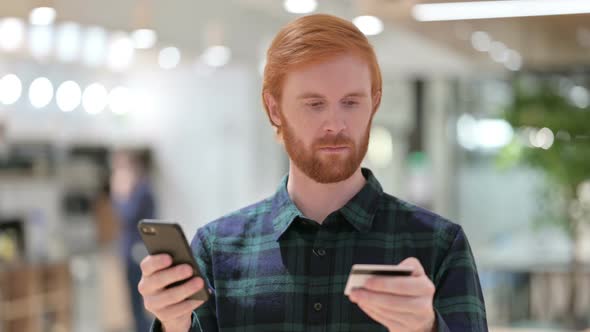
[311, 39]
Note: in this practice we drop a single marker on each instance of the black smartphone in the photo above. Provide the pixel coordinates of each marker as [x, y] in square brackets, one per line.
[168, 238]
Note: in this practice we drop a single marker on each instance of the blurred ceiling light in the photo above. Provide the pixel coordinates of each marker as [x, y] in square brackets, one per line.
[525, 135]
[499, 52]
[94, 46]
[144, 38]
[68, 41]
[481, 41]
[514, 61]
[40, 40]
[579, 96]
[216, 56]
[533, 137]
[497, 9]
[380, 151]
[42, 16]
[369, 25]
[68, 96]
[486, 134]
[10, 89]
[121, 51]
[493, 133]
[40, 92]
[300, 6]
[12, 32]
[94, 98]
[169, 57]
[466, 131]
[543, 138]
[120, 100]
[546, 138]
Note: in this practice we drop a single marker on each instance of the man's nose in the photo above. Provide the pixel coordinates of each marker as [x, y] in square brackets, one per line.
[334, 121]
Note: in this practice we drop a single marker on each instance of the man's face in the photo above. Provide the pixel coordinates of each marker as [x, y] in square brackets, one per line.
[325, 117]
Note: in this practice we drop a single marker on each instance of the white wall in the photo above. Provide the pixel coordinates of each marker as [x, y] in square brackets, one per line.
[395, 114]
[214, 148]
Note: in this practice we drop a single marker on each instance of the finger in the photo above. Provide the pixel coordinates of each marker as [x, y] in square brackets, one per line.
[384, 319]
[396, 322]
[408, 310]
[396, 303]
[410, 286]
[159, 280]
[173, 295]
[153, 263]
[417, 309]
[178, 310]
[415, 264]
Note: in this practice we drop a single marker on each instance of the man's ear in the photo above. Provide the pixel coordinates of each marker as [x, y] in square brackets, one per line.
[376, 101]
[273, 109]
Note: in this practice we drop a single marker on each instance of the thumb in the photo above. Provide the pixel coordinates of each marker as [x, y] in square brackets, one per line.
[414, 264]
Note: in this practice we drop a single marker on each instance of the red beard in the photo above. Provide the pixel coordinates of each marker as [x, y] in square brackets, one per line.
[325, 167]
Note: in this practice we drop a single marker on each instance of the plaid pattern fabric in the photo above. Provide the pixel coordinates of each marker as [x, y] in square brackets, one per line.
[271, 269]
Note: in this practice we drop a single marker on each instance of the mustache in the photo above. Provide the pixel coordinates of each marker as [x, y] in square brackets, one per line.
[338, 140]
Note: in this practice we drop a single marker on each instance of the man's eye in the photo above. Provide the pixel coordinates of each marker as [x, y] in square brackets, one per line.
[350, 103]
[315, 104]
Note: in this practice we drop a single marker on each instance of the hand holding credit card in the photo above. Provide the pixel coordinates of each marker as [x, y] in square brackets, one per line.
[400, 297]
[360, 273]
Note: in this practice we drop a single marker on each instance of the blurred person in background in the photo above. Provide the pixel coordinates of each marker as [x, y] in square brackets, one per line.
[133, 200]
[281, 264]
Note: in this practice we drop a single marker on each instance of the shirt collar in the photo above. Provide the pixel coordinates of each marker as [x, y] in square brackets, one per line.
[359, 211]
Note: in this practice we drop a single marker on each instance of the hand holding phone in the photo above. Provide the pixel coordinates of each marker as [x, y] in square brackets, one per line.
[168, 238]
[171, 283]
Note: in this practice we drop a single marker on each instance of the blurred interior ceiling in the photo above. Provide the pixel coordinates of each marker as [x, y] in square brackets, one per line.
[248, 25]
[543, 41]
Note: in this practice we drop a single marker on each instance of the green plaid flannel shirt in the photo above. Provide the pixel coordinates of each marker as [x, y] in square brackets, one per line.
[271, 269]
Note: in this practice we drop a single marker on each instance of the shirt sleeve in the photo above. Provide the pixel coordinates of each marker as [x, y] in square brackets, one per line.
[458, 301]
[204, 318]
[157, 325]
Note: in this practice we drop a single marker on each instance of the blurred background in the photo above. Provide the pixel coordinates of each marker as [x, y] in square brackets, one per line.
[116, 110]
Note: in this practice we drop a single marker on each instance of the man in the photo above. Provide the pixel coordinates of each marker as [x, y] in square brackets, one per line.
[282, 264]
[133, 200]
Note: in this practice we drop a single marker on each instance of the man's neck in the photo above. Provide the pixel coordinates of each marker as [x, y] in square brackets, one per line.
[317, 200]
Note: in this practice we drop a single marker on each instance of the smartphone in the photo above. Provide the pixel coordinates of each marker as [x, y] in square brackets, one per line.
[168, 238]
[360, 273]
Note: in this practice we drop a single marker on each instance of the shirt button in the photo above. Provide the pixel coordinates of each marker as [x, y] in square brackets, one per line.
[321, 252]
[317, 306]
